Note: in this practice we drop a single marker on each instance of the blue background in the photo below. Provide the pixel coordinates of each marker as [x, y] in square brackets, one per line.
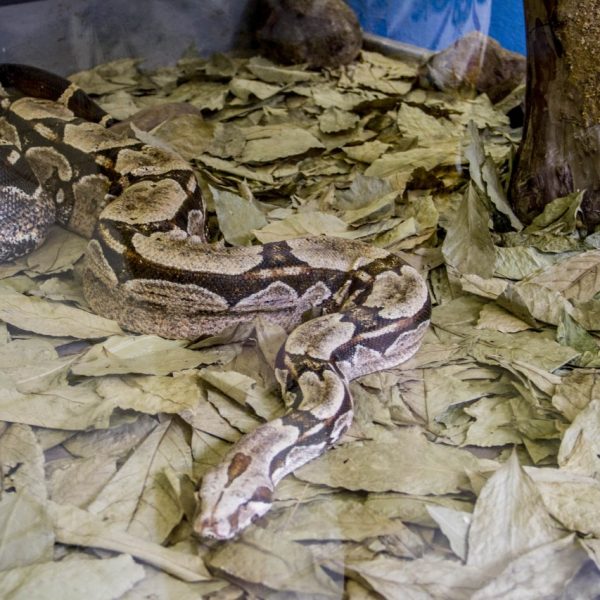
[435, 24]
[508, 24]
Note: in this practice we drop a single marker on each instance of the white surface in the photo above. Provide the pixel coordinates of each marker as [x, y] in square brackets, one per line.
[69, 35]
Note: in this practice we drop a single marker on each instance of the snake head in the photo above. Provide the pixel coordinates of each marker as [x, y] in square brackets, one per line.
[232, 496]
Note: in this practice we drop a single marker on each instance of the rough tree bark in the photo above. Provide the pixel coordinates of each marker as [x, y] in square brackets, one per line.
[560, 150]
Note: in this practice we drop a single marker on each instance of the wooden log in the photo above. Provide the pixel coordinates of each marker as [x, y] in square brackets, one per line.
[560, 149]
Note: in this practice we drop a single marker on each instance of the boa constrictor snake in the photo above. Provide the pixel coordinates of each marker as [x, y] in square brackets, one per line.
[150, 267]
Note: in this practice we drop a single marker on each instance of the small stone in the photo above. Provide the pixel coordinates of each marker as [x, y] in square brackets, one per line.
[320, 33]
[475, 63]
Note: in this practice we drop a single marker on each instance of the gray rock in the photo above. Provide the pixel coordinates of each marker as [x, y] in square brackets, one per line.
[476, 63]
[321, 33]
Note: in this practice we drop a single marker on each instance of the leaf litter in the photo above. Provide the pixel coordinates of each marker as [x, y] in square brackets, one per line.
[471, 471]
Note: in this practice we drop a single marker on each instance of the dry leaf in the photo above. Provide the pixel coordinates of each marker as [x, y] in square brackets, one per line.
[264, 144]
[94, 579]
[454, 524]
[148, 354]
[143, 497]
[580, 448]
[468, 246]
[27, 532]
[541, 573]
[509, 519]
[80, 528]
[237, 217]
[52, 318]
[421, 579]
[127, 426]
[420, 467]
[22, 462]
[269, 560]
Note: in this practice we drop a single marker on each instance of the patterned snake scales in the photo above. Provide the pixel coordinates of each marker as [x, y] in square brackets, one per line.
[149, 266]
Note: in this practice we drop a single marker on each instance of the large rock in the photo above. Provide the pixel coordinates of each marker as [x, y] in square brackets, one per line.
[478, 63]
[322, 33]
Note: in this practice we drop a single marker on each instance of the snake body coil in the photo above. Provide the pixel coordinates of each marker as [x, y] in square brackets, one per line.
[149, 266]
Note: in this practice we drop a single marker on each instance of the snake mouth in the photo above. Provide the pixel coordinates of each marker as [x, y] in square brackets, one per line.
[210, 528]
[210, 525]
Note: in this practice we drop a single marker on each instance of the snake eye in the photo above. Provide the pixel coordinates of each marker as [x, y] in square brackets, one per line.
[262, 494]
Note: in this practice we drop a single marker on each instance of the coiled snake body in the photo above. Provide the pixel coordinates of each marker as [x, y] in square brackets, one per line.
[149, 266]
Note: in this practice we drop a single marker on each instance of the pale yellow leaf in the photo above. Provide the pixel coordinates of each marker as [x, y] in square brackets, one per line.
[378, 76]
[171, 587]
[244, 390]
[509, 519]
[58, 253]
[80, 528]
[559, 215]
[52, 318]
[205, 95]
[92, 579]
[188, 134]
[402, 164]
[206, 418]
[77, 481]
[493, 425]
[576, 278]
[517, 262]
[576, 390]
[396, 67]
[152, 394]
[140, 498]
[22, 462]
[72, 408]
[484, 173]
[422, 579]
[244, 88]
[302, 225]
[580, 447]
[62, 290]
[380, 208]
[115, 442]
[338, 519]
[267, 143]
[535, 348]
[454, 524]
[235, 169]
[146, 354]
[486, 288]
[468, 246]
[413, 508]
[334, 120]
[27, 534]
[237, 416]
[26, 352]
[414, 122]
[237, 217]
[406, 463]
[572, 499]
[273, 73]
[540, 573]
[497, 318]
[268, 559]
[367, 152]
